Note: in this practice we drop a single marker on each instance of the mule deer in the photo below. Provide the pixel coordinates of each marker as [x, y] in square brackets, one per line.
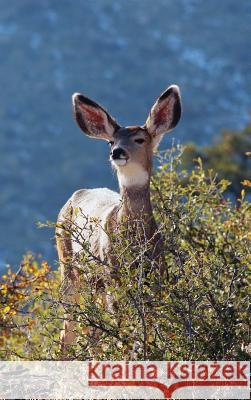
[131, 152]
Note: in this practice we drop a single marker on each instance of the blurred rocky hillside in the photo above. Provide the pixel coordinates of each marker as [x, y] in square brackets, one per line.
[122, 53]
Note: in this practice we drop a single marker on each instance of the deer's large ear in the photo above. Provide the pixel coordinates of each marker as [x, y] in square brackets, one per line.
[92, 118]
[165, 114]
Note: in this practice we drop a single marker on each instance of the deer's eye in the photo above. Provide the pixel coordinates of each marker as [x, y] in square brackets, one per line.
[111, 143]
[140, 141]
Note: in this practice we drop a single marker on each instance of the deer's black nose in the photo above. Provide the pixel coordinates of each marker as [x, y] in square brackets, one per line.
[118, 153]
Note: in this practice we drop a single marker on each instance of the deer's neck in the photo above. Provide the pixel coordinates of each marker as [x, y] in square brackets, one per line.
[136, 200]
[136, 205]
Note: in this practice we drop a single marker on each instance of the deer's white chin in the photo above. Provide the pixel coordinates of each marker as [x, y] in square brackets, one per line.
[119, 162]
[133, 174]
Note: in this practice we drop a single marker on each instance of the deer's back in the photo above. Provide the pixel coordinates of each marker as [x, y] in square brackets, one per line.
[81, 209]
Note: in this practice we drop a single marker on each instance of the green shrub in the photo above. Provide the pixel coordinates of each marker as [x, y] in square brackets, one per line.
[197, 309]
[228, 156]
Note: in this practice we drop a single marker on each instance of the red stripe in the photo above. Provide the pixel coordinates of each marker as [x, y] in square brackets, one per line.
[167, 391]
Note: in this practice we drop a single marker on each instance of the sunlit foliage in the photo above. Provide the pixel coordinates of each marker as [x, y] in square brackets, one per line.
[197, 308]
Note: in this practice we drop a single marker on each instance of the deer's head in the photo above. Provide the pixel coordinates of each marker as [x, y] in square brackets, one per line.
[131, 148]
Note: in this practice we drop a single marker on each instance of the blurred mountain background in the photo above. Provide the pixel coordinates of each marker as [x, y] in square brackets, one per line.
[123, 54]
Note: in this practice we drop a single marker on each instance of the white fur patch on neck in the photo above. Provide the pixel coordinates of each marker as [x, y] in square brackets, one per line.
[132, 174]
